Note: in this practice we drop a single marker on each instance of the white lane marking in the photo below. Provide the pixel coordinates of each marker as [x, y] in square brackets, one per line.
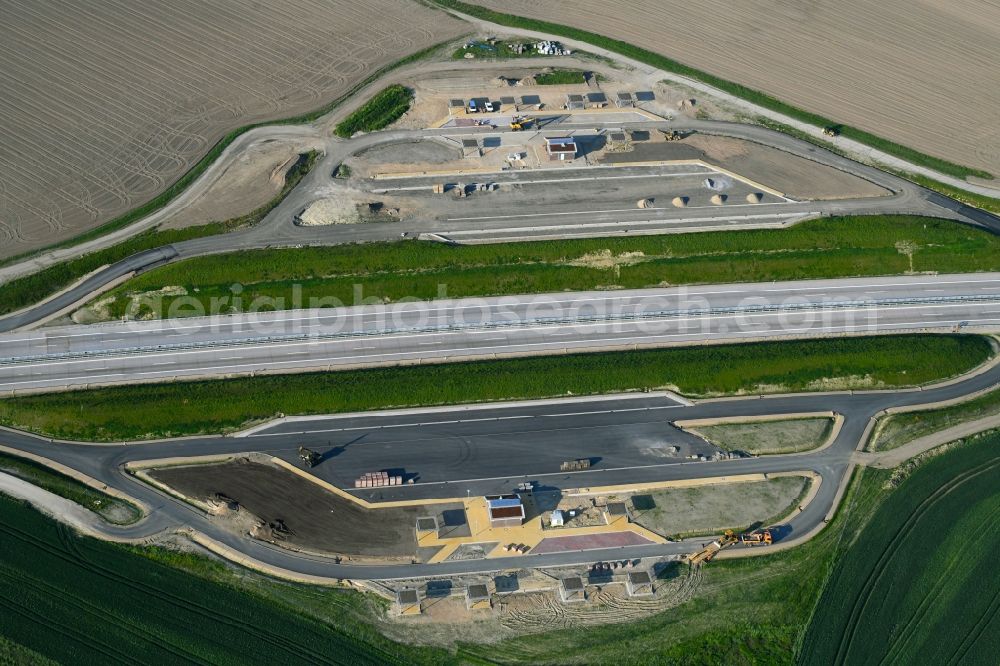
[285, 433]
[548, 181]
[467, 350]
[176, 326]
[592, 470]
[600, 210]
[550, 329]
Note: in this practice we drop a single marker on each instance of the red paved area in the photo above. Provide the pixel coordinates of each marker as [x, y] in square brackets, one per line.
[589, 542]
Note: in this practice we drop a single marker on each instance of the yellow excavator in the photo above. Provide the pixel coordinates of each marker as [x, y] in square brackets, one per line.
[518, 123]
[711, 550]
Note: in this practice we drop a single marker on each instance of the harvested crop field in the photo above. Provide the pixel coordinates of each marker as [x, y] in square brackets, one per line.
[317, 519]
[106, 103]
[922, 73]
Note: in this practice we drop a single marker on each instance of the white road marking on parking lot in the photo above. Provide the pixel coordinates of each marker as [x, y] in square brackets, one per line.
[601, 210]
[549, 181]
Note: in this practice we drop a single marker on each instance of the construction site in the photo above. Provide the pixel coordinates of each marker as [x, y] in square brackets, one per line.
[281, 502]
[502, 156]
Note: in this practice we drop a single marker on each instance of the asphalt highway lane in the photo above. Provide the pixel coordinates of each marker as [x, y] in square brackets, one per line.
[286, 341]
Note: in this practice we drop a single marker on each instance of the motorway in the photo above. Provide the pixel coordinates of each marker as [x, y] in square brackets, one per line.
[482, 449]
[450, 330]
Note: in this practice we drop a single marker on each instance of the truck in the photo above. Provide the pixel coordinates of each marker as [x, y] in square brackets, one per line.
[757, 538]
[575, 465]
[711, 550]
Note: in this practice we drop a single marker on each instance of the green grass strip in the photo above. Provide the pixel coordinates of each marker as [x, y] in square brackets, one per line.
[25, 291]
[110, 508]
[385, 108]
[898, 429]
[823, 248]
[744, 92]
[162, 410]
[559, 77]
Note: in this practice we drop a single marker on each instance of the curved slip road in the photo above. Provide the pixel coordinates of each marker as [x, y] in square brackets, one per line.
[434, 331]
[491, 448]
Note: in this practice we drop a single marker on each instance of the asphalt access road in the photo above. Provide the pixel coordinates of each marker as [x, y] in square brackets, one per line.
[78, 356]
[278, 230]
[476, 450]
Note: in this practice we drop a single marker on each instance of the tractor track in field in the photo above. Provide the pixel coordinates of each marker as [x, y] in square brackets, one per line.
[881, 565]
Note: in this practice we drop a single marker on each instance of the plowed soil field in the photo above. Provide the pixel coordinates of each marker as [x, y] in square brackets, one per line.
[923, 73]
[107, 102]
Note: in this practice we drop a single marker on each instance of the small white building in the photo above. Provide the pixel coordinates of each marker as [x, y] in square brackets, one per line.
[561, 148]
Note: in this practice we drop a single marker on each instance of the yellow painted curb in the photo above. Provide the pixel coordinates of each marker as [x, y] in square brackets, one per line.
[662, 485]
[235, 556]
[179, 461]
[348, 496]
[724, 420]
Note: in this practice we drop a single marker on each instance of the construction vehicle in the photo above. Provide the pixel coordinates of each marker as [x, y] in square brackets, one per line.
[518, 123]
[711, 550]
[309, 458]
[575, 465]
[831, 130]
[757, 538]
[672, 135]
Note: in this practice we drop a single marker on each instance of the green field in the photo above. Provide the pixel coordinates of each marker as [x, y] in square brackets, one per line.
[755, 96]
[560, 77]
[110, 508]
[184, 408]
[30, 289]
[898, 429]
[81, 601]
[824, 248]
[919, 584]
[385, 108]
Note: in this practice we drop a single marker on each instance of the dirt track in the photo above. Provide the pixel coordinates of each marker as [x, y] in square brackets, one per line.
[106, 103]
[921, 73]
